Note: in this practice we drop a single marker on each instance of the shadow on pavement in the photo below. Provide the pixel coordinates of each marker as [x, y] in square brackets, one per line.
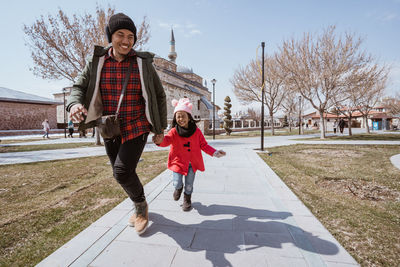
[217, 239]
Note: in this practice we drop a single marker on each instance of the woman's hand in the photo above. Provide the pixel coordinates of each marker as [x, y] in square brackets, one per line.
[77, 111]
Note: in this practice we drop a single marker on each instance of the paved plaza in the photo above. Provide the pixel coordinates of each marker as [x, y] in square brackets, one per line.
[243, 215]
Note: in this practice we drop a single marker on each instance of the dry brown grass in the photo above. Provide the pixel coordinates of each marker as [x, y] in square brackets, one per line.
[45, 204]
[353, 190]
[18, 148]
[364, 136]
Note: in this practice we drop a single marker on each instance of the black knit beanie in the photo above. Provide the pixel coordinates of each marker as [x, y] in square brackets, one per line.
[117, 22]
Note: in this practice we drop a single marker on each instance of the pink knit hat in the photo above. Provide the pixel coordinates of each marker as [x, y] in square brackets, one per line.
[182, 105]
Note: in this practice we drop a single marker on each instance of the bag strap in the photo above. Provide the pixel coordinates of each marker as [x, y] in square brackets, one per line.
[128, 74]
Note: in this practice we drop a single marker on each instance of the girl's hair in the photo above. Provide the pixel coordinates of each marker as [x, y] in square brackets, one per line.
[174, 123]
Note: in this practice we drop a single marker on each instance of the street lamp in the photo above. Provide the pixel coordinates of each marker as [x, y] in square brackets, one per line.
[213, 82]
[64, 90]
[299, 114]
[262, 98]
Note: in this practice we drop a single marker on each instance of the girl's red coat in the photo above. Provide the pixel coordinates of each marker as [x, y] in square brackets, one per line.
[181, 153]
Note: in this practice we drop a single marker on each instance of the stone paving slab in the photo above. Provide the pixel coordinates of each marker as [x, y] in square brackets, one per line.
[231, 224]
[395, 161]
[59, 154]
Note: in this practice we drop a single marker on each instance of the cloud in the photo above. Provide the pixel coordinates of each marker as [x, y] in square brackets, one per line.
[169, 25]
[188, 29]
[393, 85]
[383, 17]
[194, 32]
[389, 17]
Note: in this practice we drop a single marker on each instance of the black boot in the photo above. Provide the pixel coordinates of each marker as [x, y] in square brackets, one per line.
[187, 203]
[177, 194]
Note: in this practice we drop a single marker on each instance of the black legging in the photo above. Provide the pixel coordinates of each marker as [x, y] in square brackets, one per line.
[124, 158]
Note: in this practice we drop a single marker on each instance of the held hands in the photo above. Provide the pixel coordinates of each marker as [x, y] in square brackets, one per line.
[219, 153]
[77, 111]
[158, 138]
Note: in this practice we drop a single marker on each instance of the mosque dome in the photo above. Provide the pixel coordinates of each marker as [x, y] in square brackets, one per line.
[183, 69]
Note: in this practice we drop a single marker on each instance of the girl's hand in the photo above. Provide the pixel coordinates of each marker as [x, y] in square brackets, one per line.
[219, 153]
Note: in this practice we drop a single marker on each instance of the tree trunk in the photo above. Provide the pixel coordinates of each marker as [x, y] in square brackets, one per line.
[322, 124]
[349, 125]
[272, 123]
[98, 142]
[290, 124]
[366, 123]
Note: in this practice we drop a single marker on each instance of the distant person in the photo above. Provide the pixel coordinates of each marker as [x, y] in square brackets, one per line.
[341, 125]
[70, 128]
[46, 128]
[335, 125]
[185, 158]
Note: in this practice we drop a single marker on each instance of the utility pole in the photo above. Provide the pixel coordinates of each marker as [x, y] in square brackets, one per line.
[65, 126]
[213, 82]
[262, 98]
[299, 114]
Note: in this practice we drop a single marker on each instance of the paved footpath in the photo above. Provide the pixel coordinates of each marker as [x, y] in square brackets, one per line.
[243, 215]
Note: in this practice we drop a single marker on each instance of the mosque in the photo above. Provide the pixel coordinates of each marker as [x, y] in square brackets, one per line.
[179, 82]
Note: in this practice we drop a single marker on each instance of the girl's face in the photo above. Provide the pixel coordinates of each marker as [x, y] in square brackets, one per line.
[182, 119]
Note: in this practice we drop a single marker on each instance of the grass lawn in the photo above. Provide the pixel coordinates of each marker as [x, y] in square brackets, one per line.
[16, 148]
[16, 141]
[278, 132]
[45, 204]
[353, 190]
[372, 136]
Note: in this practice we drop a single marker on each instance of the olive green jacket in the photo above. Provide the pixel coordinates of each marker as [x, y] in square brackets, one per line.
[86, 90]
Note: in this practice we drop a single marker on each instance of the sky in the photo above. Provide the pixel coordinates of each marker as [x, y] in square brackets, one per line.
[213, 37]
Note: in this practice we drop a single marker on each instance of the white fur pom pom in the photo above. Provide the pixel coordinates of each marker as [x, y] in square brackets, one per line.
[174, 102]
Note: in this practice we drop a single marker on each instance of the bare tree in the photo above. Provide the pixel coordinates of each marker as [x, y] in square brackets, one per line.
[318, 67]
[60, 44]
[290, 105]
[253, 114]
[372, 86]
[247, 85]
[392, 105]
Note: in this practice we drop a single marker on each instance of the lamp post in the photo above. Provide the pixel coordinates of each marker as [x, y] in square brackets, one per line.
[262, 98]
[213, 82]
[64, 90]
[299, 114]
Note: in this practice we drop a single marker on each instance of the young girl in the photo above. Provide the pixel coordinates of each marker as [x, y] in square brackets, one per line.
[185, 157]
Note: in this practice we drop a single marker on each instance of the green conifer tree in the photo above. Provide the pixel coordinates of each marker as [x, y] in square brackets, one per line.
[228, 118]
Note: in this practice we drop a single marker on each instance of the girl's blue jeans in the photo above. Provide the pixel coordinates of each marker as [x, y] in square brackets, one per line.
[177, 180]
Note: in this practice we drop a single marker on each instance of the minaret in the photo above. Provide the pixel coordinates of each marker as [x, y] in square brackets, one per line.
[172, 54]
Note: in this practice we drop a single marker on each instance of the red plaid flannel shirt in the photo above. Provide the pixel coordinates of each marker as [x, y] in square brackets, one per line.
[132, 110]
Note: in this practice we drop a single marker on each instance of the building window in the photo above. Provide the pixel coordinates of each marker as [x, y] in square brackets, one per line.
[198, 104]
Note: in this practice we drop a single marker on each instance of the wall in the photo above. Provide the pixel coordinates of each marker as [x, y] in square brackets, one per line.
[26, 116]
